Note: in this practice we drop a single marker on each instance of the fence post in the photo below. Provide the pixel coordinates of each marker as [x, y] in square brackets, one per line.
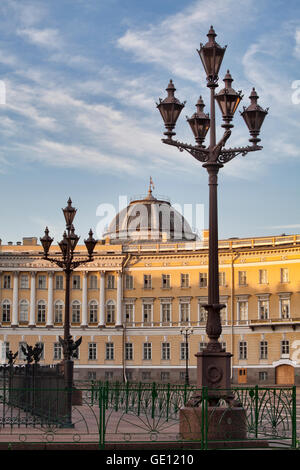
[101, 395]
[127, 395]
[294, 418]
[139, 398]
[154, 395]
[256, 411]
[204, 418]
[168, 401]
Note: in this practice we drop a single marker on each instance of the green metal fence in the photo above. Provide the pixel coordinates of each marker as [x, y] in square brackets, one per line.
[116, 415]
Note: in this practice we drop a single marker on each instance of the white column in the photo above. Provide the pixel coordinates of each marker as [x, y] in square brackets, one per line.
[102, 300]
[50, 300]
[119, 299]
[84, 320]
[32, 300]
[15, 321]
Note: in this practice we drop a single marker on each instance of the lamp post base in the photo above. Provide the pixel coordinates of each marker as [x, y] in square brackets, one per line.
[213, 372]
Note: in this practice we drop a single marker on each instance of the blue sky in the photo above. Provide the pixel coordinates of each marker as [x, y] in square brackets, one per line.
[82, 78]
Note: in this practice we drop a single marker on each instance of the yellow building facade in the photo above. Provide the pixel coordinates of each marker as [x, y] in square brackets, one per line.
[131, 303]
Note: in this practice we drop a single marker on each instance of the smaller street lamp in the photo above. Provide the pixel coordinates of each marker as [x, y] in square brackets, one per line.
[68, 264]
[186, 332]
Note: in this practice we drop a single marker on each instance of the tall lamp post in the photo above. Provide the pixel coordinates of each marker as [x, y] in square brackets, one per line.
[68, 264]
[213, 363]
[186, 332]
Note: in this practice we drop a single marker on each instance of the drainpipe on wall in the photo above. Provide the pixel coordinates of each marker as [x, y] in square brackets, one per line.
[233, 259]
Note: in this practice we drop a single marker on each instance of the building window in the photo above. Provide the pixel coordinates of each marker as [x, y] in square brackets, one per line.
[242, 278]
[184, 312]
[285, 347]
[75, 281]
[242, 350]
[92, 351]
[129, 312]
[243, 310]
[57, 351]
[222, 279]
[284, 308]
[202, 346]
[203, 279]
[164, 376]
[24, 307]
[59, 282]
[262, 375]
[108, 375]
[184, 280]
[5, 350]
[147, 313]
[263, 350]
[184, 351]
[165, 351]
[166, 281]
[223, 315]
[109, 351]
[263, 307]
[110, 281]
[110, 312]
[42, 282]
[58, 311]
[24, 281]
[6, 281]
[93, 311]
[165, 312]
[128, 281]
[41, 311]
[202, 314]
[263, 276]
[21, 354]
[284, 275]
[147, 351]
[129, 351]
[147, 281]
[146, 375]
[75, 311]
[93, 282]
[6, 307]
[91, 375]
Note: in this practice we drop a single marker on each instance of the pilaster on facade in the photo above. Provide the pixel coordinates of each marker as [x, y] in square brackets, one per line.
[50, 321]
[15, 304]
[101, 323]
[32, 318]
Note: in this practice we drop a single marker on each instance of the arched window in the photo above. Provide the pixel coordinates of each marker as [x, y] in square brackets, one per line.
[24, 307]
[110, 312]
[41, 311]
[58, 311]
[75, 311]
[6, 308]
[93, 311]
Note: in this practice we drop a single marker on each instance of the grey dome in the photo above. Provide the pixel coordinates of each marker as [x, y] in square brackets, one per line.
[149, 219]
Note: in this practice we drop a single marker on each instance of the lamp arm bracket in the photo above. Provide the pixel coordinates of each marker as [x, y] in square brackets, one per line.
[200, 153]
[228, 154]
[58, 262]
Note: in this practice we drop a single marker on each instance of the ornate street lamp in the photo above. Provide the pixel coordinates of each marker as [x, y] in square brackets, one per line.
[68, 264]
[186, 332]
[213, 362]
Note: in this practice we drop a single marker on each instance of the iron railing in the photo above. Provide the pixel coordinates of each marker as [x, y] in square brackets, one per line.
[140, 415]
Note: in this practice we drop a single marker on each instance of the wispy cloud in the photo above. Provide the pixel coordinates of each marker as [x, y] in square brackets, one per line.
[49, 38]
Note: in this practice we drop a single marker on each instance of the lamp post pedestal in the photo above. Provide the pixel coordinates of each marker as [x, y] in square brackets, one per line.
[213, 371]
